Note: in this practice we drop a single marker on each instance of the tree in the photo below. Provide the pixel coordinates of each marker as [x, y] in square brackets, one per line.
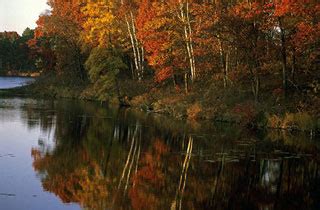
[166, 34]
[104, 65]
[61, 28]
[99, 25]
[109, 24]
[15, 53]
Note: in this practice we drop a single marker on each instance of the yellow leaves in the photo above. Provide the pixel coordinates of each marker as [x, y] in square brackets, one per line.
[100, 23]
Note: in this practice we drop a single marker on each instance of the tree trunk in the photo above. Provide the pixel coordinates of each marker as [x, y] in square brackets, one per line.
[293, 68]
[191, 43]
[135, 57]
[224, 59]
[138, 48]
[185, 19]
[255, 82]
[283, 56]
[186, 83]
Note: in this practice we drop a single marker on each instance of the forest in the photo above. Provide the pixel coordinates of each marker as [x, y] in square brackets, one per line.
[251, 62]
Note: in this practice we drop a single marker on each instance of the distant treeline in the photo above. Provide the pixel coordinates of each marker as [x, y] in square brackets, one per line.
[15, 55]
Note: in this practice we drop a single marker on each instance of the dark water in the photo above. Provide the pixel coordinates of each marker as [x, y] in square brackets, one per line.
[73, 155]
[11, 82]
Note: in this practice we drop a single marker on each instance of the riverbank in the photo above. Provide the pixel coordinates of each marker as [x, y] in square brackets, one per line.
[14, 73]
[294, 112]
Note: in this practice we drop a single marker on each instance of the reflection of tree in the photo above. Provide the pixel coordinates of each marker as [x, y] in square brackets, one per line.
[177, 204]
[149, 181]
[133, 156]
[85, 184]
[108, 159]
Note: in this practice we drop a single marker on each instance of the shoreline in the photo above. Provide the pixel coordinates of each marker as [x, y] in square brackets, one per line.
[288, 122]
[32, 74]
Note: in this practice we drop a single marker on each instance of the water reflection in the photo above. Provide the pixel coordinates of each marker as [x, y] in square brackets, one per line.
[118, 159]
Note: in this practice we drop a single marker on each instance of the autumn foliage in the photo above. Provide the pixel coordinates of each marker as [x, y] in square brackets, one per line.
[230, 43]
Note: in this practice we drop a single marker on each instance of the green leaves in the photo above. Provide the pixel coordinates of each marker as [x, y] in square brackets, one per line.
[103, 67]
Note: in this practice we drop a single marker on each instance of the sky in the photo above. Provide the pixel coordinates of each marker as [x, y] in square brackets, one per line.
[17, 15]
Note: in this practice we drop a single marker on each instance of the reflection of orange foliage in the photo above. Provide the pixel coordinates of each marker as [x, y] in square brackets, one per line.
[40, 161]
[35, 153]
[142, 199]
[148, 178]
[160, 148]
[84, 185]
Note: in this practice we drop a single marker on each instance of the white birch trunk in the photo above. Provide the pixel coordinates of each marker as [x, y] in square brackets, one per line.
[185, 18]
[135, 57]
[137, 47]
[191, 44]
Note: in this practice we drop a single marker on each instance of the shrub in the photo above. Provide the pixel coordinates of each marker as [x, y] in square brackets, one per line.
[193, 111]
[274, 121]
[305, 121]
[289, 122]
[293, 121]
[246, 111]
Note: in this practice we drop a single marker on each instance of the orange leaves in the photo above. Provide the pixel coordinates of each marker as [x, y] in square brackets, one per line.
[145, 14]
[69, 10]
[299, 18]
[163, 31]
[39, 31]
[163, 74]
[248, 10]
[32, 43]
[306, 35]
[64, 19]
[298, 8]
[282, 8]
[177, 37]
[156, 34]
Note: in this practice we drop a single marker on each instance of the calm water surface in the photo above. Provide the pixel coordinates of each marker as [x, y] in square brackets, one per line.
[80, 155]
[11, 82]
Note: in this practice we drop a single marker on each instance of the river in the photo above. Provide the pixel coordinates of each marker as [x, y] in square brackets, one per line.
[65, 154]
[12, 82]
